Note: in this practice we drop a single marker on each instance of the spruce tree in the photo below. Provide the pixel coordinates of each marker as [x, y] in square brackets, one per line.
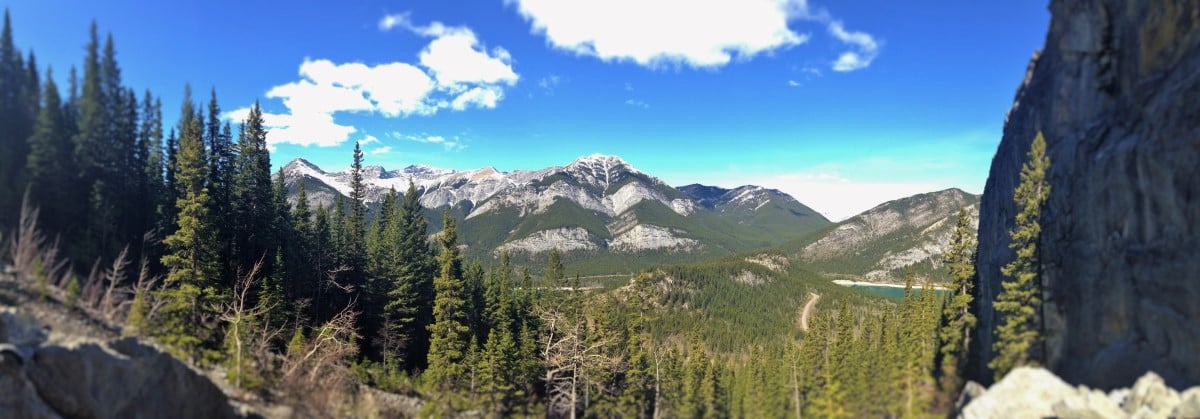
[1019, 336]
[254, 198]
[151, 185]
[91, 151]
[413, 293]
[17, 119]
[220, 175]
[49, 163]
[555, 273]
[449, 333]
[187, 319]
[958, 321]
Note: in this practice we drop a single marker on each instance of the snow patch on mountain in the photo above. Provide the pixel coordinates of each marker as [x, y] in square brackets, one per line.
[528, 199]
[631, 194]
[563, 239]
[684, 207]
[600, 170]
[652, 237]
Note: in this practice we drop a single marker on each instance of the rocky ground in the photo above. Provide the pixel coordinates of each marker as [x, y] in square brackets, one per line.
[1037, 393]
[55, 363]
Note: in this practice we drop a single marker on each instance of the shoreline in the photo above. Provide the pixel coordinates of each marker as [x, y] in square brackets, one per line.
[849, 283]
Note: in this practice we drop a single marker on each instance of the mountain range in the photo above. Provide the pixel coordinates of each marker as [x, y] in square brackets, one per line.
[607, 216]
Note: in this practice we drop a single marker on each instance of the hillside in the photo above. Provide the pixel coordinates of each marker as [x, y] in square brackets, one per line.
[879, 244]
[600, 211]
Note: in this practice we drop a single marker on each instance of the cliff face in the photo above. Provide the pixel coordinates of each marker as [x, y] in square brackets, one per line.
[1116, 91]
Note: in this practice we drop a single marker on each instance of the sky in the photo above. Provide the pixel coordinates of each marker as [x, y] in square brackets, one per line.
[843, 105]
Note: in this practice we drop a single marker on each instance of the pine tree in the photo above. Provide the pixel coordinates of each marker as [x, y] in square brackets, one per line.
[17, 119]
[170, 185]
[190, 289]
[413, 293]
[958, 321]
[636, 396]
[254, 198]
[91, 151]
[555, 273]
[151, 186]
[1019, 335]
[49, 163]
[220, 174]
[449, 332]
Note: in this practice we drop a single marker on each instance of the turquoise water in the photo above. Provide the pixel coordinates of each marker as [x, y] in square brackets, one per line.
[892, 292]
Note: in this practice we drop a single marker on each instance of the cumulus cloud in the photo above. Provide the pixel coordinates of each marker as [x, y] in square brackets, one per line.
[696, 33]
[865, 48]
[454, 71]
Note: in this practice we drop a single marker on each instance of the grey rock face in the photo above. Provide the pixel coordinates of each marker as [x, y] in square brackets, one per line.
[118, 379]
[1116, 92]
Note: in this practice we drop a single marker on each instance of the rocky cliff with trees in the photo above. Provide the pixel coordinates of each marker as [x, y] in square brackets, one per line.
[1114, 92]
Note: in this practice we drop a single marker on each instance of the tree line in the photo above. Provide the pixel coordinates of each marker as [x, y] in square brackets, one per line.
[234, 273]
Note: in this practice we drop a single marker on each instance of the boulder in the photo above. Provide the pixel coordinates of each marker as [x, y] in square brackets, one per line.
[123, 378]
[1036, 392]
[1023, 393]
[1086, 403]
[1150, 398]
[1189, 405]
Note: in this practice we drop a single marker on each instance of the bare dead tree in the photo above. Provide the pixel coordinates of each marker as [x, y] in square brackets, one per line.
[316, 377]
[239, 314]
[568, 357]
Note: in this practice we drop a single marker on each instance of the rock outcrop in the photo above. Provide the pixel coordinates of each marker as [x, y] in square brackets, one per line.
[122, 378]
[1037, 393]
[1116, 92]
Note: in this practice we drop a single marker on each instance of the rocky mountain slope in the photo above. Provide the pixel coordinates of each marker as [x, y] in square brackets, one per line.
[596, 204]
[879, 244]
[1116, 93]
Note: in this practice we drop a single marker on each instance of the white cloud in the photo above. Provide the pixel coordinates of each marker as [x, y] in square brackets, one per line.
[381, 150]
[454, 60]
[483, 97]
[696, 33]
[454, 71]
[866, 48]
[550, 82]
[449, 144]
[793, 83]
[637, 104]
[368, 140]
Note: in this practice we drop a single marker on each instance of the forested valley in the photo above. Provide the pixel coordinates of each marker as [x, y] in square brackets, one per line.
[178, 232]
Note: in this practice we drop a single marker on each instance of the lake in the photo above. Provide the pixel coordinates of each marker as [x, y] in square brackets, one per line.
[892, 292]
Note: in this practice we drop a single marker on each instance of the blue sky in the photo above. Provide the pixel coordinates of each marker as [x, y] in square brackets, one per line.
[842, 104]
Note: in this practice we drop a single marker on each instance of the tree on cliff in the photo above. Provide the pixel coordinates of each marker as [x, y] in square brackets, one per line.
[958, 322]
[1019, 335]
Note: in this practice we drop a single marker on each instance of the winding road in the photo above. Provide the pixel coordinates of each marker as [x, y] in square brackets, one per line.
[808, 306]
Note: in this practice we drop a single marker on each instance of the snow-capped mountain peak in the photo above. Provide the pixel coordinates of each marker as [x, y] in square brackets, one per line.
[600, 170]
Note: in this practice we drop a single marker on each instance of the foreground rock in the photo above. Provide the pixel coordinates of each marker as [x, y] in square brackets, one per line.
[122, 378]
[1037, 393]
[1116, 92]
